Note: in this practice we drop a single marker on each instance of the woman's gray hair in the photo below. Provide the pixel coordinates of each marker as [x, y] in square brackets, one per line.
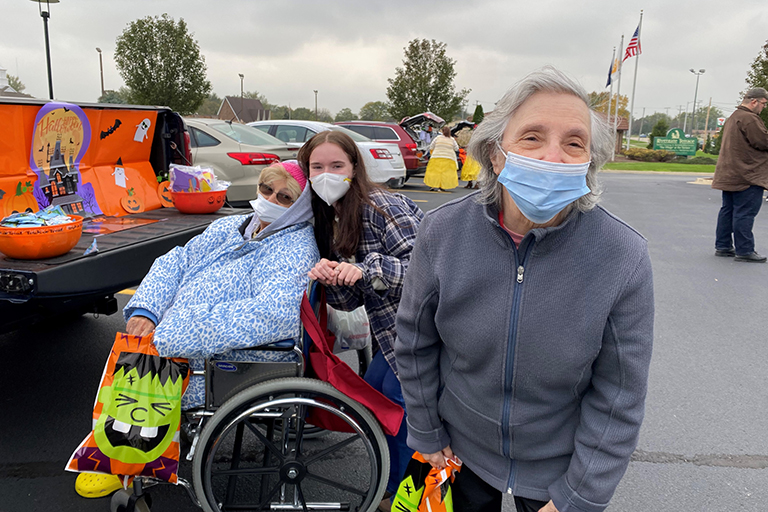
[491, 130]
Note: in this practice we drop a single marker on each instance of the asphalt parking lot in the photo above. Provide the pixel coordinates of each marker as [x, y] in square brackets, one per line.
[702, 446]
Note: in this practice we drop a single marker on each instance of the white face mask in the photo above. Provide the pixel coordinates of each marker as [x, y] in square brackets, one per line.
[266, 210]
[330, 187]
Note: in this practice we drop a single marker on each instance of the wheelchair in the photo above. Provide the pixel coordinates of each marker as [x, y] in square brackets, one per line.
[252, 445]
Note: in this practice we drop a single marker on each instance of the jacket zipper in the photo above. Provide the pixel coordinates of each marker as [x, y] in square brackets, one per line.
[508, 374]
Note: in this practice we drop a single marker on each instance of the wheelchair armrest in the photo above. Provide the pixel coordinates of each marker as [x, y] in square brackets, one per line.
[279, 346]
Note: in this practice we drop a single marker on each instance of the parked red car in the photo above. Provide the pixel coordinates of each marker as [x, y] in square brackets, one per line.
[392, 133]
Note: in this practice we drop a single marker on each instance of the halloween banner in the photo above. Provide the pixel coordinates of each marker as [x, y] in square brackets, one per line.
[89, 161]
[424, 488]
[137, 413]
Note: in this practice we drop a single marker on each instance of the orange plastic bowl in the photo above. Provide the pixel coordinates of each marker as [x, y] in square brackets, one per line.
[199, 202]
[40, 242]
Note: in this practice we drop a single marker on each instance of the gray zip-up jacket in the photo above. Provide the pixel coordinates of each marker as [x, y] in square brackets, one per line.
[531, 363]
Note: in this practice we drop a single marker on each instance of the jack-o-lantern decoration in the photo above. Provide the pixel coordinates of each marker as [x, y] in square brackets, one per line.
[132, 203]
[164, 193]
[22, 201]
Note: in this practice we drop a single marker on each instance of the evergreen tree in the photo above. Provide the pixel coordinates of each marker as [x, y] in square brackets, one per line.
[478, 116]
[660, 129]
[16, 83]
[717, 142]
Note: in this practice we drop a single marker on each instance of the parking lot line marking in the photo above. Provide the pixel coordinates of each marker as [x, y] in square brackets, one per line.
[129, 291]
[419, 200]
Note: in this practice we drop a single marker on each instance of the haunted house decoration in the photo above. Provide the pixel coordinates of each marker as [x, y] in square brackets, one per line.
[60, 184]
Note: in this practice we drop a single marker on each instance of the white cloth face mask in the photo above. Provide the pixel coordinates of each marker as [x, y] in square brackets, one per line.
[330, 187]
[266, 210]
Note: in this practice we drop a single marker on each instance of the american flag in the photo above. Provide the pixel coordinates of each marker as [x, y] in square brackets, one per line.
[633, 48]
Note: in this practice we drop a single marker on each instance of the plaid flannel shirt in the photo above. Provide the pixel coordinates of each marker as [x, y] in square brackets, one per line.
[382, 255]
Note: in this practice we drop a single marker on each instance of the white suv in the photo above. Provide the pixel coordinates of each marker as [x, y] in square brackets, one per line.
[384, 162]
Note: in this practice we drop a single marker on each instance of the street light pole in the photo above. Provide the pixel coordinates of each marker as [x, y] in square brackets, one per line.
[696, 92]
[101, 68]
[45, 14]
[315, 90]
[241, 96]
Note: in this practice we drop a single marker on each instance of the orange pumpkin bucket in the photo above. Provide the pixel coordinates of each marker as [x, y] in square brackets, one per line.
[199, 202]
[40, 242]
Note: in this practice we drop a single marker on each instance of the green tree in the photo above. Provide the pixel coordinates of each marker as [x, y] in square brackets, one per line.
[254, 95]
[425, 82]
[280, 112]
[302, 113]
[757, 76]
[323, 115]
[645, 124]
[120, 96]
[345, 114]
[599, 102]
[161, 63]
[717, 141]
[210, 106]
[660, 129]
[708, 144]
[16, 83]
[478, 116]
[375, 111]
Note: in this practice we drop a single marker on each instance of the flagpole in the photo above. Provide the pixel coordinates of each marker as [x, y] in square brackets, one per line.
[618, 96]
[634, 80]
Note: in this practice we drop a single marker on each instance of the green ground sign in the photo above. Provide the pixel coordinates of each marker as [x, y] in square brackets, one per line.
[677, 142]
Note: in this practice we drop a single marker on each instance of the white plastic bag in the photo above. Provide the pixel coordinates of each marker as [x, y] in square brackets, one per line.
[351, 328]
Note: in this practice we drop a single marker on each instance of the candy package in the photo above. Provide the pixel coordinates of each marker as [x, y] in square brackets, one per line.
[51, 216]
[194, 179]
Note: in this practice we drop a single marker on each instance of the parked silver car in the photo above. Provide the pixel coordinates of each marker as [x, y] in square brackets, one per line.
[237, 153]
[383, 161]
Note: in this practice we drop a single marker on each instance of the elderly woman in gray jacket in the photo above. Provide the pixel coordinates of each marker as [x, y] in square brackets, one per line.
[526, 322]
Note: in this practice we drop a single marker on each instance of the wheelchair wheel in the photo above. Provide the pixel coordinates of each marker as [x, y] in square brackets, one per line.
[119, 502]
[253, 454]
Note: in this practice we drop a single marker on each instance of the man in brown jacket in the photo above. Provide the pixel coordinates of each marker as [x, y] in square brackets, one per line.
[742, 174]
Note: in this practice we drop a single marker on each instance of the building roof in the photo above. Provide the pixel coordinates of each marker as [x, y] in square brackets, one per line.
[248, 112]
[10, 92]
[623, 122]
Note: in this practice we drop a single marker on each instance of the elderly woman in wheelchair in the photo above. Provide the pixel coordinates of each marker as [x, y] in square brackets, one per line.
[229, 301]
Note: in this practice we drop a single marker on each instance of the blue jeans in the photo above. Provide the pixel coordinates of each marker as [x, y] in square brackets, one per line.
[381, 377]
[736, 218]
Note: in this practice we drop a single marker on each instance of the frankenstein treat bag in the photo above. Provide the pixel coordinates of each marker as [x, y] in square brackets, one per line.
[424, 488]
[137, 413]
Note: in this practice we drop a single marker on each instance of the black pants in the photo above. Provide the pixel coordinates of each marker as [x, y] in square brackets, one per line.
[472, 494]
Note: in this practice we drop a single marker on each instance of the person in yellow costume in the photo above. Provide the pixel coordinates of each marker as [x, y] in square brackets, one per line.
[469, 172]
[441, 169]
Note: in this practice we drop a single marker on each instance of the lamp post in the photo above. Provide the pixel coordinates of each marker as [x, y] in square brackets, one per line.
[101, 68]
[315, 90]
[696, 92]
[45, 14]
[241, 95]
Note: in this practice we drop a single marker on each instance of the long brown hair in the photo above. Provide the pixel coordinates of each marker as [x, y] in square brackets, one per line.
[349, 230]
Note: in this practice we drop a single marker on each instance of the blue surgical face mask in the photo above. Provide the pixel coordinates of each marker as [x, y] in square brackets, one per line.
[542, 189]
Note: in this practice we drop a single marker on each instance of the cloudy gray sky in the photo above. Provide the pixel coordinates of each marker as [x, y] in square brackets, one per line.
[347, 49]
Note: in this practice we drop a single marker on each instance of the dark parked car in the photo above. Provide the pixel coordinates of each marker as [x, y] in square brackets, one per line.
[392, 133]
